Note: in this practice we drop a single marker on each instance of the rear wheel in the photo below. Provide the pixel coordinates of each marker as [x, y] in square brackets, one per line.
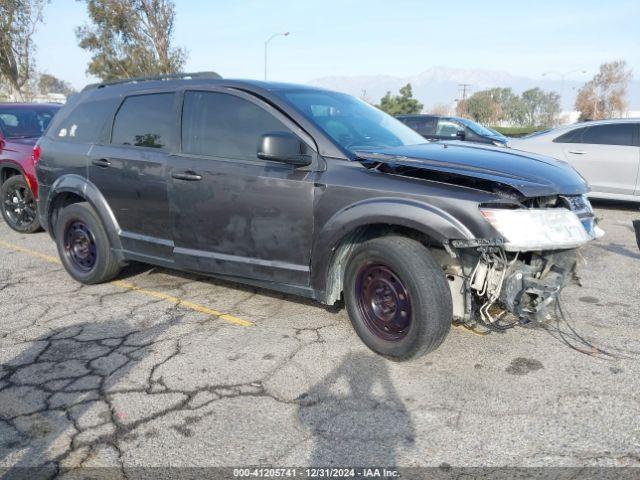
[19, 205]
[83, 245]
[397, 297]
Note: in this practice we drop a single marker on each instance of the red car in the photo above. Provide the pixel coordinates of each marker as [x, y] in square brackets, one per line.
[21, 124]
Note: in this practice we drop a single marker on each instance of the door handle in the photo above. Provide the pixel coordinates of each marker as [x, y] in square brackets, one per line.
[189, 176]
[578, 152]
[101, 162]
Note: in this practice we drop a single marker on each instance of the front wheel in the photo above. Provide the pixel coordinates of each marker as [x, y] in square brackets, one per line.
[397, 297]
[83, 245]
[19, 205]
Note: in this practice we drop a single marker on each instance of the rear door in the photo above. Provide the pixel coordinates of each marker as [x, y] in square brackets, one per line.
[233, 213]
[606, 155]
[130, 171]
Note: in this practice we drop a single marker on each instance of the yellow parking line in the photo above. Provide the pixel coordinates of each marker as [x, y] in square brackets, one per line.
[134, 288]
[32, 253]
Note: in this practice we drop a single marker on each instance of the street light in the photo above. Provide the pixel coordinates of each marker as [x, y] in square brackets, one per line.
[563, 76]
[284, 34]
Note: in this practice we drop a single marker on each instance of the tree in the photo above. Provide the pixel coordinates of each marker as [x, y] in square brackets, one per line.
[604, 96]
[50, 84]
[440, 109]
[400, 104]
[19, 20]
[130, 38]
[492, 106]
[534, 107]
[541, 108]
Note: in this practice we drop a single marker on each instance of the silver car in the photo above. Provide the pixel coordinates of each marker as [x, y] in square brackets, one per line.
[606, 153]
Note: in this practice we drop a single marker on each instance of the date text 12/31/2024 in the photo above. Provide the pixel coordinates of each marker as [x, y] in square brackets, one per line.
[315, 473]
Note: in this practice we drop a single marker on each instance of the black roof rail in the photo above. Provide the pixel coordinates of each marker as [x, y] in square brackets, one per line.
[167, 76]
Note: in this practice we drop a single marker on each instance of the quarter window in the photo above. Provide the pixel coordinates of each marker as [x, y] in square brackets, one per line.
[572, 136]
[145, 121]
[222, 125]
[86, 123]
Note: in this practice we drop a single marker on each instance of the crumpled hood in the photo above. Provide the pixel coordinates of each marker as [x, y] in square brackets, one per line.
[532, 175]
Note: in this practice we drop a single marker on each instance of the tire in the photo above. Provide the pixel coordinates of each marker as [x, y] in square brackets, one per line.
[83, 245]
[18, 205]
[390, 275]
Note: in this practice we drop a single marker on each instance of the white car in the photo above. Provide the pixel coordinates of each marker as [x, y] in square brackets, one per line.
[605, 152]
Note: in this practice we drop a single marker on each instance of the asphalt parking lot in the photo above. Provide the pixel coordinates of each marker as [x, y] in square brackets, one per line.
[162, 368]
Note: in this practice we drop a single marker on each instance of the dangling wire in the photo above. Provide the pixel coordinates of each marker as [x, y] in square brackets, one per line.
[572, 338]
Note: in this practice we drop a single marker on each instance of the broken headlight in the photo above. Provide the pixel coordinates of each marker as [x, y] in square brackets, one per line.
[537, 228]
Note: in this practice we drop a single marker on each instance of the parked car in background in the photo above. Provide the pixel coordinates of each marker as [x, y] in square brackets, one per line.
[433, 127]
[21, 124]
[606, 153]
[314, 193]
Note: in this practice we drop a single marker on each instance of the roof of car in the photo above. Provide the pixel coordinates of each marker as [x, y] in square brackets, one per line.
[211, 78]
[608, 120]
[26, 105]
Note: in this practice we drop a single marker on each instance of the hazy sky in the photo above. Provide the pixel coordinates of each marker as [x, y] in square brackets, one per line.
[392, 37]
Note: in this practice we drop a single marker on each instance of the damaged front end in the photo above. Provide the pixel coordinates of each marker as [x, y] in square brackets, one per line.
[522, 271]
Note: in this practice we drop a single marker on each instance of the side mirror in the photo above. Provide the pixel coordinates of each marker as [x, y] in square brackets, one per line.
[283, 147]
[461, 135]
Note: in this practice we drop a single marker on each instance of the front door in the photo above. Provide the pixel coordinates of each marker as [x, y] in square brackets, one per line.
[130, 172]
[234, 214]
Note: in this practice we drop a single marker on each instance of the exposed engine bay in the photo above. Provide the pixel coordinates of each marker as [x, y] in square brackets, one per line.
[490, 279]
[487, 283]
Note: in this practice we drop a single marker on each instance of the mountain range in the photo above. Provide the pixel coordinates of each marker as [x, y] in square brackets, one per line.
[441, 85]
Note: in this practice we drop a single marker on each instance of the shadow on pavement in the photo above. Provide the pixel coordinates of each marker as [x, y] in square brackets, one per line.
[356, 416]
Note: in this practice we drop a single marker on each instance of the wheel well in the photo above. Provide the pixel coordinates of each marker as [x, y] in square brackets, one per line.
[343, 248]
[7, 172]
[61, 201]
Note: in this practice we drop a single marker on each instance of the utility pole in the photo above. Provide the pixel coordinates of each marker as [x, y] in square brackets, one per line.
[464, 87]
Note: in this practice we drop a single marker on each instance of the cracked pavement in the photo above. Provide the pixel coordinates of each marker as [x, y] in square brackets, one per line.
[104, 376]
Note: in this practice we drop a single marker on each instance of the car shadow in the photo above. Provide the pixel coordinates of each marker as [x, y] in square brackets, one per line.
[53, 395]
[619, 250]
[355, 415]
[615, 204]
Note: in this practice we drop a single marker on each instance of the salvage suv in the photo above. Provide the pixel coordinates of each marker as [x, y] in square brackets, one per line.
[313, 193]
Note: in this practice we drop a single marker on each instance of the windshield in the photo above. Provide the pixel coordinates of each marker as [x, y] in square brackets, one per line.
[25, 122]
[479, 129]
[352, 123]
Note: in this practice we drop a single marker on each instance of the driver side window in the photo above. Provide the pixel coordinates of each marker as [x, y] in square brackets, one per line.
[447, 128]
[225, 126]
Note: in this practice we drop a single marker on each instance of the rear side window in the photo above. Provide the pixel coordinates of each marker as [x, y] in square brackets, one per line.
[612, 134]
[572, 136]
[422, 125]
[222, 125]
[86, 123]
[25, 122]
[145, 121]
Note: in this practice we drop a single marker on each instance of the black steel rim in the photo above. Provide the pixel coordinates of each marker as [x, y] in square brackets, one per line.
[80, 246]
[383, 301]
[20, 206]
